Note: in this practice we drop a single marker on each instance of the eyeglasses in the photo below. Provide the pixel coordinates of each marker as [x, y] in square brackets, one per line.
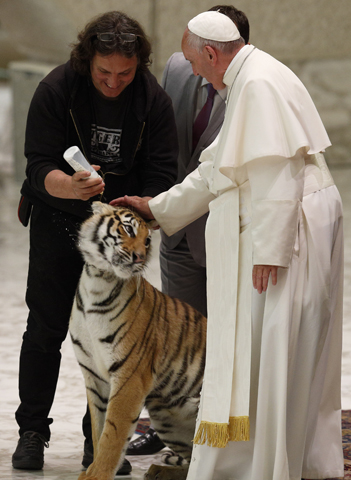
[122, 37]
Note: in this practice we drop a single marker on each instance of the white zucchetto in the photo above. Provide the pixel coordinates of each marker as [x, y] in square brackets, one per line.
[214, 26]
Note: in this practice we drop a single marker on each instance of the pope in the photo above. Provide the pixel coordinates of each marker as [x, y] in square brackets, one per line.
[270, 405]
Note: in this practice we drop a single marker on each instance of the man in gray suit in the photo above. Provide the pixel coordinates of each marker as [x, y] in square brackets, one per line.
[182, 256]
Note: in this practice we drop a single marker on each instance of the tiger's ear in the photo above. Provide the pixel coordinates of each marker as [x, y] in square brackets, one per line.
[99, 208]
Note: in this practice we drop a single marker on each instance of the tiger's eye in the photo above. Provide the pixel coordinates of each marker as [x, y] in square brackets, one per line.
[128, 229]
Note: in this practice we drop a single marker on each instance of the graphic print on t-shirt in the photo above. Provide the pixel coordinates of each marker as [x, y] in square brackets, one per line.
[105, 144]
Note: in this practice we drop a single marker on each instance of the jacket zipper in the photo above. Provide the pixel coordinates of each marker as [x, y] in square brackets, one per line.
[75, 126]
[139, 141]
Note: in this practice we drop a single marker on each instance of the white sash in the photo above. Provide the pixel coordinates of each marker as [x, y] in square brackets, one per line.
[224, 409]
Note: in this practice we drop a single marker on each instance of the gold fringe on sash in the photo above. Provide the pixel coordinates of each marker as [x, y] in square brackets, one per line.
[239, 429]
[219, 434]
[214, 434]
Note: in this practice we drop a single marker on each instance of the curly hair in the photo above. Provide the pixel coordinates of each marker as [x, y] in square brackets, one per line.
[114, 23]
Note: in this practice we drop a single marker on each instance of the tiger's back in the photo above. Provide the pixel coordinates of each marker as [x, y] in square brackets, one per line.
[134, 344]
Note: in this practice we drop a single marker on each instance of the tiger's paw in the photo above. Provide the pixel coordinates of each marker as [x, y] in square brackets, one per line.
[160, 472]
[83, 476]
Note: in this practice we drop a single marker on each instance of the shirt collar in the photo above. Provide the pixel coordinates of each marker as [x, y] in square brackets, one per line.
[222, 93]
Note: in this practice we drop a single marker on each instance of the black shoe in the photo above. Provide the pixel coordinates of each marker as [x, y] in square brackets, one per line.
[29, 454]
[88, 458]
[146, 444]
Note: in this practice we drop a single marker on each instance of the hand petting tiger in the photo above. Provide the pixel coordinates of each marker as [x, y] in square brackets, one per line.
[135, 345]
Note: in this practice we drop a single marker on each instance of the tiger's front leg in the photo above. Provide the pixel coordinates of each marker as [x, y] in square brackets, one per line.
[124, 406]
[97, 394]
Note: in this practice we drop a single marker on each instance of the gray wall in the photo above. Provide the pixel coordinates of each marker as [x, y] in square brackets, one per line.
[296, 30]
[311, 36]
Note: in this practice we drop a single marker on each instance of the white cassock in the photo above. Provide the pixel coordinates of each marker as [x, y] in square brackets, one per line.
[273, 360]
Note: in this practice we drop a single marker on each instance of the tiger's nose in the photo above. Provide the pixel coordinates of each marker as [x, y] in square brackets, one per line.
[138, 257]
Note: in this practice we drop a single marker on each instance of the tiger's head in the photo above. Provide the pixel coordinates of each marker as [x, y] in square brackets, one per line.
[115, 239]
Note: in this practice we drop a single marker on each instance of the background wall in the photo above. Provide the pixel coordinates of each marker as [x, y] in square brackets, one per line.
[311, 36]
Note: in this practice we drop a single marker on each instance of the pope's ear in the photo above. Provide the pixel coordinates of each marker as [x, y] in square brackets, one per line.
[211, 54]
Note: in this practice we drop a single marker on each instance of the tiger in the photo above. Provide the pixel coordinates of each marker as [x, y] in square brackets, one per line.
[135, 346]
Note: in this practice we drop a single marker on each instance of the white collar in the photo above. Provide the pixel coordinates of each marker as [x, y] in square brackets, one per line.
[237, 62]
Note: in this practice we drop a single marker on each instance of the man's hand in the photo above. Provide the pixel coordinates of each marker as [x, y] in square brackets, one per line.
[85, 187]
[79, 185]
[260, 276]
[140, 205]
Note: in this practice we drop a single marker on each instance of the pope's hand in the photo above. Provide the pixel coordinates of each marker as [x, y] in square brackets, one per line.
[139, 204]
[260, 276]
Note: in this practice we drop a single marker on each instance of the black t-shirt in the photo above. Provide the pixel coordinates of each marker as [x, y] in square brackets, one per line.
[107, 127]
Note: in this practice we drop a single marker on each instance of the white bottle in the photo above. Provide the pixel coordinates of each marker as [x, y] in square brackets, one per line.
[78, 162]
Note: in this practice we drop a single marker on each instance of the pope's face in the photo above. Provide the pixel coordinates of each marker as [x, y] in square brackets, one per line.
[200, 62]
[112, 74]
[196, 59]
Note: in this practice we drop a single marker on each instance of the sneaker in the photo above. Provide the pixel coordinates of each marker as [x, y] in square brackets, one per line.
[29, 454]
[88, 458]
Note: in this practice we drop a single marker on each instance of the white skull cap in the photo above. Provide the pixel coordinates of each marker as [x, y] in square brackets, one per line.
[214, 26]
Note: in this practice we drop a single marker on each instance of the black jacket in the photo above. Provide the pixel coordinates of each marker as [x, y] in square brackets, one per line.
[60, 117]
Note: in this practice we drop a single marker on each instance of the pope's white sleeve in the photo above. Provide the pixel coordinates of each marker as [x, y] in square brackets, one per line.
[276, 195]
[181, 204]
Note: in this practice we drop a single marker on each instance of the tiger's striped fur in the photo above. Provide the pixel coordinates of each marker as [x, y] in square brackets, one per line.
[134, 344]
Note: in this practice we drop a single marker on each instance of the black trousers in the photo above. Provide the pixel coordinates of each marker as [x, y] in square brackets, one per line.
[55, 266]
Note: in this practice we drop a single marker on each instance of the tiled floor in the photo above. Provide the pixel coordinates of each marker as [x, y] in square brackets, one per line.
[62, 459]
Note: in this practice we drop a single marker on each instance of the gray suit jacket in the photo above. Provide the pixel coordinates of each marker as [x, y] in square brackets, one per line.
[182, 86]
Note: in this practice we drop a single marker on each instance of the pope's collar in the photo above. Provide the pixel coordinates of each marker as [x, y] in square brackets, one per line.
[235, 65]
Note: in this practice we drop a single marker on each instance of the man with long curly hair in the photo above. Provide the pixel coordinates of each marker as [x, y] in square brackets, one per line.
[105, 101]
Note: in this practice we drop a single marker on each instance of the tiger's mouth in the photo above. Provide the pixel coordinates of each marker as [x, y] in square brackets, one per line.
[128, 269]
[137, 267]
